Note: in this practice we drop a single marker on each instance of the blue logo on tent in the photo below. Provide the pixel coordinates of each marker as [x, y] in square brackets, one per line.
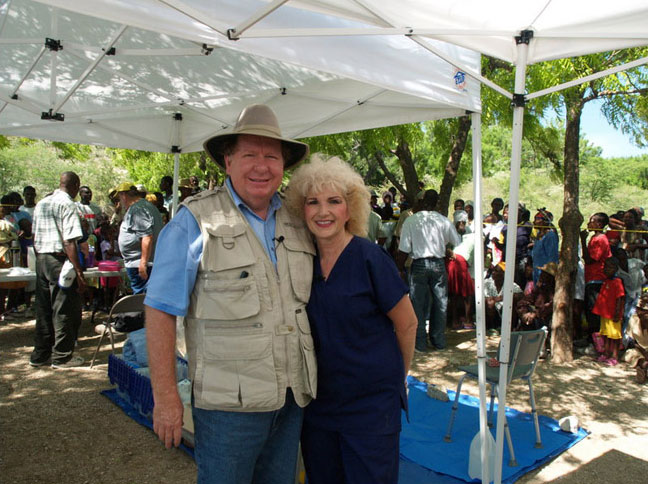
[460, 80]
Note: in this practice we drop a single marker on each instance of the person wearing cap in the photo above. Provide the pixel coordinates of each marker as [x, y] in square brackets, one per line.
[57, 228]
[494, 297]
[185, 188]
[238, 266]
[425, 236]
[138, 235]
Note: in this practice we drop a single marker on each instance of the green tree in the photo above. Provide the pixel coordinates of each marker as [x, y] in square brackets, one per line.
[621, 94]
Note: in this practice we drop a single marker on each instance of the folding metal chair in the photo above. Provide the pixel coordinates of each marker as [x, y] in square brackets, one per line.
[526, 347]
[127, 304]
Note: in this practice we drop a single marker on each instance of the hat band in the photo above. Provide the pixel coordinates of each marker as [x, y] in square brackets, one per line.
[258, 129]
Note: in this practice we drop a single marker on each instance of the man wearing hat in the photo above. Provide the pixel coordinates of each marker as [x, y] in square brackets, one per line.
[238, 266]
[138, 234]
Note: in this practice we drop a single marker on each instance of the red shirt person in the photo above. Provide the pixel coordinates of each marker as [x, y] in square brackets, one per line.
[595, 253]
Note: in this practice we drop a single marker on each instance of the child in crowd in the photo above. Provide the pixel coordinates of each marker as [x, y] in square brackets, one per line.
[7, 235]
[609, 306]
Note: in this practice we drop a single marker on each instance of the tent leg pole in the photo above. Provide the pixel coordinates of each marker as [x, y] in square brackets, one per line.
[507, 290]
[479, 293]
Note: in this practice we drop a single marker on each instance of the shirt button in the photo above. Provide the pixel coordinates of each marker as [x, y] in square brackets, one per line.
[290, 329]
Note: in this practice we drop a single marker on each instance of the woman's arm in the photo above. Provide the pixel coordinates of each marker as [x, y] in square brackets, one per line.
[405, 323]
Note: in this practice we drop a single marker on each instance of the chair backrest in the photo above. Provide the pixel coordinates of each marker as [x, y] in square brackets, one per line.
[526, 347]
[128, 304]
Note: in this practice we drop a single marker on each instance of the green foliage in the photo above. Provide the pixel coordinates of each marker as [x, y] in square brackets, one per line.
[72, 151]
[38, 163]
[148, 168]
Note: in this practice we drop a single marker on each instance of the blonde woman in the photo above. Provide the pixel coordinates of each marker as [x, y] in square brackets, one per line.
[363, 327]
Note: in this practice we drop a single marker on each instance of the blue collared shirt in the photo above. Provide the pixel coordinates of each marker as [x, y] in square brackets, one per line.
[174, 272]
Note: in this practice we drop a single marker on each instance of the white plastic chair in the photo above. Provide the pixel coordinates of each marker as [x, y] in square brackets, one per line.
[526, 347]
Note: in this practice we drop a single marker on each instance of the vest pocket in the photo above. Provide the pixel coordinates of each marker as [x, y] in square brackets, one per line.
[300, 264]
[307, 348]
[238, 370]
[229, 299]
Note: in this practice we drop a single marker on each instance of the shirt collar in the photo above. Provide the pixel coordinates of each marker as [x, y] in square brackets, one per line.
[275, 201]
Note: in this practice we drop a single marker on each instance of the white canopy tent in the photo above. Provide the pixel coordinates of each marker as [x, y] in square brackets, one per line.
[325, 66]
[142, 75]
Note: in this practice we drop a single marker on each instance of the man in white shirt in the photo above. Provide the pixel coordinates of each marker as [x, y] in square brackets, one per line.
[425, 236]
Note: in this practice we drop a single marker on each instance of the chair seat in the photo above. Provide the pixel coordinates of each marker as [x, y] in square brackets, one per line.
[492, 372]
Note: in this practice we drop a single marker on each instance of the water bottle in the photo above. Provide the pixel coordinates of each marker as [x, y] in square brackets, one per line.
[474, 464]
[67, 275]
[15, 253]
[91, 257]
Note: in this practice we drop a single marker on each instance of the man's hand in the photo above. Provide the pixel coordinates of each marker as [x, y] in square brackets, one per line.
[167, 420]
[142, 270]
[82, 285]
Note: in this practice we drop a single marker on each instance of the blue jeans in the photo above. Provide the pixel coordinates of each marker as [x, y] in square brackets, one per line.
[248, 447]
[429, 293]
[138, 285]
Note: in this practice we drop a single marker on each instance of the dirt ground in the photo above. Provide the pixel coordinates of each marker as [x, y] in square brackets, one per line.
[55, 426]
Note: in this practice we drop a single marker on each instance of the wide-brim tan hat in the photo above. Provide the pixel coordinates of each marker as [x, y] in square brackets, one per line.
[259, 120]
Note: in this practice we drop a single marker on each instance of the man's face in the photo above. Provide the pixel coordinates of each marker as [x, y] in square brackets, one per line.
[86, 195]
[469, 211]
[166, 185]
[256, 168]
[496, 205]
[30, 196]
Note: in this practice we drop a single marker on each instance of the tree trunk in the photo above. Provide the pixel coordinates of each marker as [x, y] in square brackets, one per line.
[452, 167]
[404, 155]
[562, 322]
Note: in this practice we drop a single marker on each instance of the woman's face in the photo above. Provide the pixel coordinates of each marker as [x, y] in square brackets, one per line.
[326, 214]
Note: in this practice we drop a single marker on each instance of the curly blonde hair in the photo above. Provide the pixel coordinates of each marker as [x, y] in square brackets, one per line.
[333, 173]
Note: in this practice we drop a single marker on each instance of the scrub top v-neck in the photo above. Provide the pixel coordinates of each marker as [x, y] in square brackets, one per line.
[360, 367]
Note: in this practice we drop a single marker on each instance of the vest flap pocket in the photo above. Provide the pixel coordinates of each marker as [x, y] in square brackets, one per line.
[237, 347]
[227, 248]
[229, 299]
[302, 321]
[300, 264]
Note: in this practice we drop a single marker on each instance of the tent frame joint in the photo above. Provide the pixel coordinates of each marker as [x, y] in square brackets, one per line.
[175, 149]
[232, 35]
[283, 91]
[177, 116]
[51, 116]
[519, 100]
[14, 97]
[53, 44]
[111, 51]
[206, 50]
[524, 37]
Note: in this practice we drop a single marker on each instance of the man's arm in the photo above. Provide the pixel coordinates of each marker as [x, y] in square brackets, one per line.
[70, 249]
[168, 408]
[147, 248]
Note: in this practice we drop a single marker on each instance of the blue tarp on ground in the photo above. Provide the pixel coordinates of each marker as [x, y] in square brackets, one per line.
[426, 458]
[423, 446]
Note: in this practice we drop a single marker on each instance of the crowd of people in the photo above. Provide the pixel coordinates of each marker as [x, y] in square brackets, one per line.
[44, 235]
[303, 309]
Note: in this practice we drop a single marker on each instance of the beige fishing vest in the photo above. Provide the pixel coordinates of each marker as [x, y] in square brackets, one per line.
[247, 332]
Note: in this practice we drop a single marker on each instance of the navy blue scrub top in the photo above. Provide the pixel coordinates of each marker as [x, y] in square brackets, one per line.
[360, 368]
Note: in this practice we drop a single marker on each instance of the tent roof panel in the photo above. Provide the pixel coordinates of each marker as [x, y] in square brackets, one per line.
[129, 98]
